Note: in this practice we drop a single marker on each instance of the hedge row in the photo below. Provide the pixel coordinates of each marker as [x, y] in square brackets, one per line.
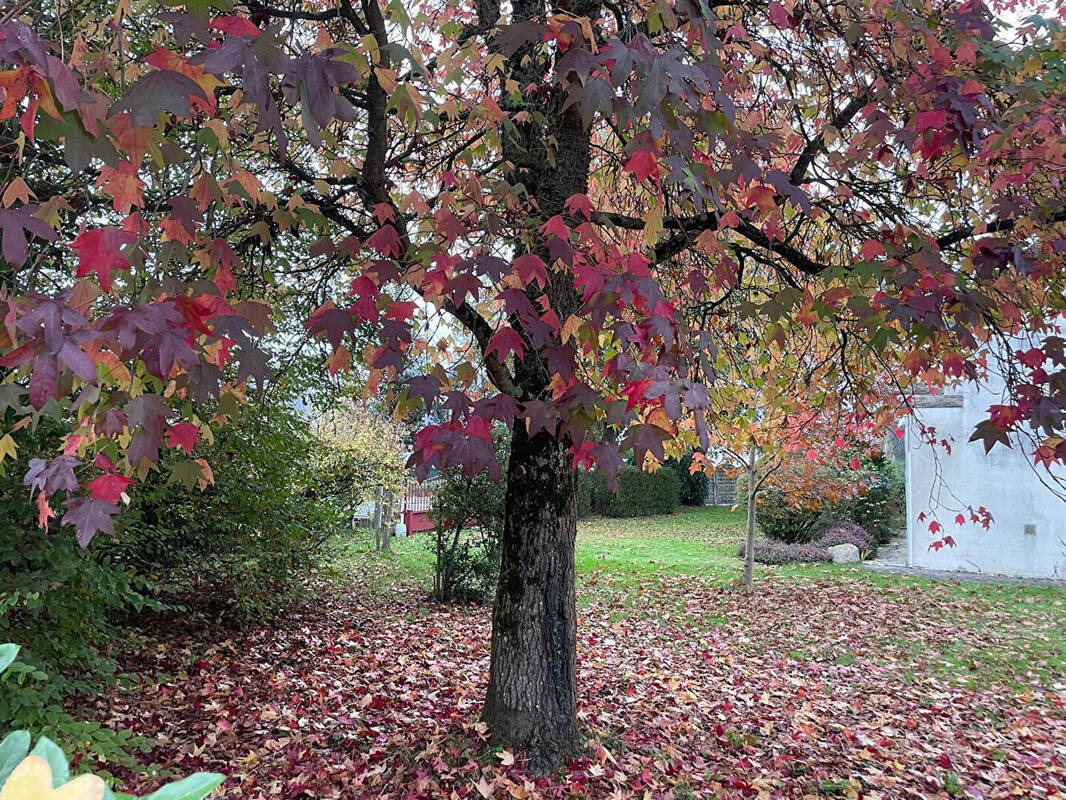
[640, 494]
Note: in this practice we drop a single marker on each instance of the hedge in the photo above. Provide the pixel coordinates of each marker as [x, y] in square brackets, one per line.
[642, 494]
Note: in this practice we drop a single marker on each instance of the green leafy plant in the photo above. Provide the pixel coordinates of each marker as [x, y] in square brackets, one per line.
[238, 548]
[64, 605]
[642, 494]
[468, 515]
[881, 509]
[694, 485]
[27, 774]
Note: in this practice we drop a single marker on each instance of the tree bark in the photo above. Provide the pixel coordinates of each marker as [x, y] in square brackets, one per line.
[749, 543]
[532, 695]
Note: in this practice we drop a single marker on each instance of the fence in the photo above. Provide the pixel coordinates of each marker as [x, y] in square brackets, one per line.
[721, 489]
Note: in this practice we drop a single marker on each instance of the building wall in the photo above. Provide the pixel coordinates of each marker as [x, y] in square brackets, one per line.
[1028, 535]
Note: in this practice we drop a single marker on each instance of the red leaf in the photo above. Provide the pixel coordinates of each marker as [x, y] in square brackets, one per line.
[1032, 358]
[99, 252]
[234, 26]
[504, 341]
[643, 164]
[779, 16]
[386, 241]
[556, 227]
[108, 487]
[184, 435]
[530, 268]
[579, 203]
[872, 249]
[935, 527]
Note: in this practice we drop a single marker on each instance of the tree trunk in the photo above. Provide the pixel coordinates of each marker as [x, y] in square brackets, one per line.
[749, 546]
[532, 697]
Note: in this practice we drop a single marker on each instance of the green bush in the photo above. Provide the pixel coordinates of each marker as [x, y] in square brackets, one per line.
[642, 494]
[468, 518]
[785, 523]
[694, 485]
[63, 605]
[586, 490]
[882, 510]
[238, 548]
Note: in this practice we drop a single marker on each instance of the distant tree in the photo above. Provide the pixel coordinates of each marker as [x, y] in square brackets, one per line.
[360, 458]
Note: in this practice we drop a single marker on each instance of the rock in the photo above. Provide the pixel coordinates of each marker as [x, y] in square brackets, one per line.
[844, 554]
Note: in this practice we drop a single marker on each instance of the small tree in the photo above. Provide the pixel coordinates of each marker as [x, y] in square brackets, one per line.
[468, 515]
[780, 398]
[360, 457]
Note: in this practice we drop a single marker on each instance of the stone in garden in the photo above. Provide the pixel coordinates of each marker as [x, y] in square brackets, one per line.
[844, 554]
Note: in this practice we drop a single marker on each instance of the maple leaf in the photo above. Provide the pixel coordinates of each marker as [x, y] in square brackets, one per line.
[386, 241]
[779, 16]
[123, 184]
[158, 91]
[234, 26]
[333, 322]
[529, 267]
[184, 435]
[16, 224]
[108, 487]
[643, 439]
[99, 252]
[643, 164]
[579, 204]
[44, 380]
[872, 249]
[89, 517]
[505, 340]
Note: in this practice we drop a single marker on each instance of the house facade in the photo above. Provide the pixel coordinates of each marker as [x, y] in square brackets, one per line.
[1027, 537]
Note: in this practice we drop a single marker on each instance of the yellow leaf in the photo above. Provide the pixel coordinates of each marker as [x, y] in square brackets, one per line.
[17, 190]
[386, 79]
[32, 780]
[654, 225]
[8, 449]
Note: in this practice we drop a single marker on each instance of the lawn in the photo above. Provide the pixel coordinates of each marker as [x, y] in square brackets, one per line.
[825, 681]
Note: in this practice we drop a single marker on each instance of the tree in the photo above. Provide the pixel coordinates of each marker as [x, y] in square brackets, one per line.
[360, 458]
[557, 179]
[783, 407]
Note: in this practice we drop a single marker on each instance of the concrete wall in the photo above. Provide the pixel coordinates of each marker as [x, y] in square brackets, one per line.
[1003, 481]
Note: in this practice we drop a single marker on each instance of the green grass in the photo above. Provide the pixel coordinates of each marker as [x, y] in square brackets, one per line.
[696, 541]
[1012, 630]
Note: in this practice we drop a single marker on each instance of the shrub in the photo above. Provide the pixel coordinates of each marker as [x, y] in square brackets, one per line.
[63, 605]
[768, 551]
[239, 547]
[694, 485]
[642, 494]
[848, 533]
[468, 517]
[784, 522]
[586, 483]
[881, 509]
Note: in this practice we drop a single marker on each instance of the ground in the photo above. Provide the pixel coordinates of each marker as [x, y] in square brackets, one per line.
[824, 682]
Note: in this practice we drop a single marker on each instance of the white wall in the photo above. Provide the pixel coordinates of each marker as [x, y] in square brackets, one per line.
[1003, 481]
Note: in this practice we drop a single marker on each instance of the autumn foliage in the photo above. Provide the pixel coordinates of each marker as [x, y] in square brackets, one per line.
[594, 196]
